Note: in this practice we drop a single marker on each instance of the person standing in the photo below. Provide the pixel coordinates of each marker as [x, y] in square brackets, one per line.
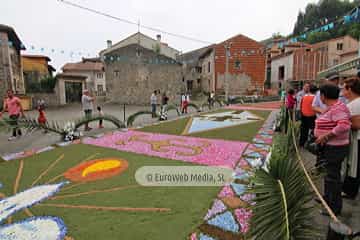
[12, 104]
[299, 96]
[183, 99]
[352, 181]
[332, 130]
[164, 103]
[290, 105]
[87, 105]
[308, 116]
[101, 114]
[153, 102]
[212, 99]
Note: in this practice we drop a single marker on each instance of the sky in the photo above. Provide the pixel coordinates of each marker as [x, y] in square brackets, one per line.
[66, 34]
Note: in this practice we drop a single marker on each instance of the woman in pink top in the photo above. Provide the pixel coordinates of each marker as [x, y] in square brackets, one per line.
[332, 129]
[290, 103]
[13, 106]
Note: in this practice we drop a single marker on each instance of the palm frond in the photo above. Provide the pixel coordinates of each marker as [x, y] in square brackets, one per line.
[283, 207]
[132, 118]
[173, 107]
[193, 105]
[109, 118]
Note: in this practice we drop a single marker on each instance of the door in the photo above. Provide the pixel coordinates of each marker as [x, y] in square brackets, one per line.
[73, 92]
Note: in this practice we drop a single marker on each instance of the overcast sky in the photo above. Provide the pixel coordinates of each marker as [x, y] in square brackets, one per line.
[56, 27]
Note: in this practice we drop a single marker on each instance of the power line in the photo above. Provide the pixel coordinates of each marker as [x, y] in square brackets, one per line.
[132, 23]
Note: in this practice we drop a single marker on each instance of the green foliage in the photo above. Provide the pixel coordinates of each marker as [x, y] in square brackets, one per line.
[31, 124]
[316, 15]
[283, 207]
[171, 107]
[132, 118]
[109, 118]
[193, 105]
[46, 85]
[316, 37]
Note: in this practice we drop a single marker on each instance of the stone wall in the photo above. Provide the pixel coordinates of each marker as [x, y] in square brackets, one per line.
[239, 84]
[51, 99]
[132, 79]
[4, 66]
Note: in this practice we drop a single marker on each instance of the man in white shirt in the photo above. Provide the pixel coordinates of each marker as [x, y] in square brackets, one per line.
[87, 105]
[153, 102]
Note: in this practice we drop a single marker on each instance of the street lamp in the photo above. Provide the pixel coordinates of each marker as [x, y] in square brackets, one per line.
[227, 56]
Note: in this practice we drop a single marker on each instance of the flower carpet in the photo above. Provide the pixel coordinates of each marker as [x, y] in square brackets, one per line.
[208, 152]
[229, 215]
[207, 122]
[270, 106]
[88, 190]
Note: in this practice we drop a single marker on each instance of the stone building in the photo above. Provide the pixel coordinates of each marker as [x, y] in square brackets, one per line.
[94, 72]
[11, 76]
[193, 70]
[133, 71]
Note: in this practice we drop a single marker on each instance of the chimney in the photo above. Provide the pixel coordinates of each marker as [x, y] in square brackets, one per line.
[109, 43]
[158, 37]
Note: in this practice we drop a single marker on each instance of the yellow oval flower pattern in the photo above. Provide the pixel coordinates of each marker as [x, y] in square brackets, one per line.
[101, 166]
[96, 170]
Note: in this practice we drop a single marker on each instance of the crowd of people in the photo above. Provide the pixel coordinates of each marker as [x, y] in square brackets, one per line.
[330, 123]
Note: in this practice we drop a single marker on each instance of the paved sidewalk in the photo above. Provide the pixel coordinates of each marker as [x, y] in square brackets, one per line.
[351, 208]
[64, 114]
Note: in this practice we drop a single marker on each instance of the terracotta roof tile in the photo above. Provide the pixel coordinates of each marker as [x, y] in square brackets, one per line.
[83, 66]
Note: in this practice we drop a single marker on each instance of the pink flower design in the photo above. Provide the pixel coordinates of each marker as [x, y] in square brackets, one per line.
[243, 216]
[193, 236]
[202, 151]
[226, 192]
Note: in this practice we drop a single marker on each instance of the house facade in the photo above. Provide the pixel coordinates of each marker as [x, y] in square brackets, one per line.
[135, 68]
[11, 76]
[35, 68]
[194, 71]
[247, 64]
[296, 65]
[144, 41]
[132, 77]
[206, 67]
[94, 72]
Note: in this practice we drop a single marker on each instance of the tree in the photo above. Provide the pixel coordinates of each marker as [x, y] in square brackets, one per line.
[316, 37]
[319, 14]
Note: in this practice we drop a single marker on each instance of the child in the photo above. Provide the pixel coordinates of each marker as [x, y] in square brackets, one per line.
[42, 118]
[101, 114]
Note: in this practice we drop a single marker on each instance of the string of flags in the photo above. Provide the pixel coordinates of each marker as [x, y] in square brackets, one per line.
[72, 53]
[353, 17]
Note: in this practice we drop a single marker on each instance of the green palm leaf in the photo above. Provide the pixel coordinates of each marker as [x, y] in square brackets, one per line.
[283, 209]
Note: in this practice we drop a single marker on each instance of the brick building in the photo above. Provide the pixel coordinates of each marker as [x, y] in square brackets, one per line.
[11, 76]
[300, 62]
[247, 64]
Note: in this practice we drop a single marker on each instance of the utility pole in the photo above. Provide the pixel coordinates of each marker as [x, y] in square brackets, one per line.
[227, 56]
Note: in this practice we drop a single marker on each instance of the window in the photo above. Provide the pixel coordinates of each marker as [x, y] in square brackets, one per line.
[237, 64]
[100, 90]
[116, 73]
[99, 75]
[281, 73]
[339, 46]
[209, 66]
